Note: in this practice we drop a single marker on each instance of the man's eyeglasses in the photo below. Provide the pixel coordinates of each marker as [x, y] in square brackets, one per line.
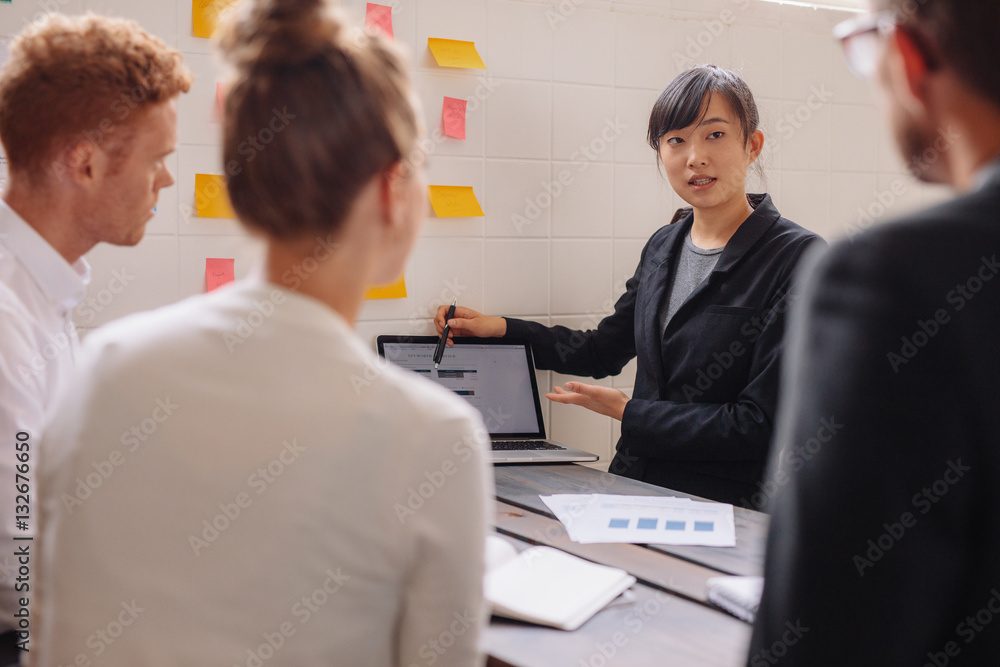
[860, 38]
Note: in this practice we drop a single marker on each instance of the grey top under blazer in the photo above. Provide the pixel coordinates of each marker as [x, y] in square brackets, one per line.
[701, 414]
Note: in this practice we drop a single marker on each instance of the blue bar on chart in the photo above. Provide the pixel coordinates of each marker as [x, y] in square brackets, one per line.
[704, 525]
[646, 524]
[674, 525]
[618, 523]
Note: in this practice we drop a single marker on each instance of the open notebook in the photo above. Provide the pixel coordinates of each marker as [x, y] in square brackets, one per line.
[549, 587]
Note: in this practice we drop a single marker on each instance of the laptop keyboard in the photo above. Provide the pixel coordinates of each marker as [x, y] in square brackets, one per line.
[508, 445]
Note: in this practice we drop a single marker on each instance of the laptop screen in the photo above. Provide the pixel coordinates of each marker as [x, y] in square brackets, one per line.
[496, 376]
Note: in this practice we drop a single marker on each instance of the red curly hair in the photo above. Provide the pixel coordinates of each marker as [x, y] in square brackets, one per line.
[75, 79]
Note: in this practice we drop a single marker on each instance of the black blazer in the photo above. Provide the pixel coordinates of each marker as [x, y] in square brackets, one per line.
[700, 417]
[885, 534]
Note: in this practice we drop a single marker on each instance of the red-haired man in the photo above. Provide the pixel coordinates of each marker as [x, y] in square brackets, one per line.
[87, 117]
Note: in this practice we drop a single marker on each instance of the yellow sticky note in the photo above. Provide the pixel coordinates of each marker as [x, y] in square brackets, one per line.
[205, 15]
[455, 53]
[210, 197]
[454, 201]
[396, 290]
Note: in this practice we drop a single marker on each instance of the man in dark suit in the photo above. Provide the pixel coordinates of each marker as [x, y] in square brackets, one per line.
[885, 537]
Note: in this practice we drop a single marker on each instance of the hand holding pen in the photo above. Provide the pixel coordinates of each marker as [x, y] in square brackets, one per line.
[464, 321]
[439, 350]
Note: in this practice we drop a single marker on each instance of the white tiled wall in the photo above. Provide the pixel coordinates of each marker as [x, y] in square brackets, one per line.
[567, 210]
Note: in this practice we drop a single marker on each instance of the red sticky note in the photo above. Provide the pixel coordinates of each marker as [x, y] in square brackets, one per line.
[379, 17]
[218, 272]
[453, 117]
[220, 103]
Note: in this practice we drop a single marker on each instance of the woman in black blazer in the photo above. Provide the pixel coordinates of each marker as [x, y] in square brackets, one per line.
[704, 312]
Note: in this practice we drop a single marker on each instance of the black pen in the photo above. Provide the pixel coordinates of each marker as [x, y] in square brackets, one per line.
[439, 351]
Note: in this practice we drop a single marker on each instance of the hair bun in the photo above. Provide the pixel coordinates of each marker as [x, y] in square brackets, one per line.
[278, 32]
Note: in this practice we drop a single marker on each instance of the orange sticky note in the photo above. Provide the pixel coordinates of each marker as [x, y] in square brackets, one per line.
[219, 107]
[396, 290]
[205, 15]
[453, 117]
[455, 53]
[218, 272]
[379, 17]
[454, 201]
[210, 197]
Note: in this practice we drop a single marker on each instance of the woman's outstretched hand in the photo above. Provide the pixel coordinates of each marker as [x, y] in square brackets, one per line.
[468, 322]
[602, 400]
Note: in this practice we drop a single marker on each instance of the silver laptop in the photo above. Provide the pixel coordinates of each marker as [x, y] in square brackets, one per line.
[496, 376]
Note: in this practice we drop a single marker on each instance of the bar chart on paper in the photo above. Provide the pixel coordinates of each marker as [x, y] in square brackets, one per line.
[646, 523]
[644, 520]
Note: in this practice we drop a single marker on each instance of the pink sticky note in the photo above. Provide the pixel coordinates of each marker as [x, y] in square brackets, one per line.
[218, 272]
[220, 103]
[379, 17]
[453, 117]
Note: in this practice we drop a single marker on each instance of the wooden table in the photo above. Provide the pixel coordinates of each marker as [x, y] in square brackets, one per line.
[671, 621]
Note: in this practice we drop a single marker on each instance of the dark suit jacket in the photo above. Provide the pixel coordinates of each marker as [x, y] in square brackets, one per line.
[885, 534]
[700, 417]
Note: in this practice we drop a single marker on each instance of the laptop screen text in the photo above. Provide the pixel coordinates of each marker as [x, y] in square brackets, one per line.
[495, 379]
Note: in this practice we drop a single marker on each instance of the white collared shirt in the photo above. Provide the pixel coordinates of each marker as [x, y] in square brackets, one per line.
[38, 291]
[236, 479]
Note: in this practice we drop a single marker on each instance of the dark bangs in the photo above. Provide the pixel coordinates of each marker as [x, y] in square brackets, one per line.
[685, 100]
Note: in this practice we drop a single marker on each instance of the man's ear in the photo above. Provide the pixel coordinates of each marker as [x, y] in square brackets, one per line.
[78, 162]
[910, 63]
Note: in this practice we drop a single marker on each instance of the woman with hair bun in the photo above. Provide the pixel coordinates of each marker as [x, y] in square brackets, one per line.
[704, 313]
[236, 479]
